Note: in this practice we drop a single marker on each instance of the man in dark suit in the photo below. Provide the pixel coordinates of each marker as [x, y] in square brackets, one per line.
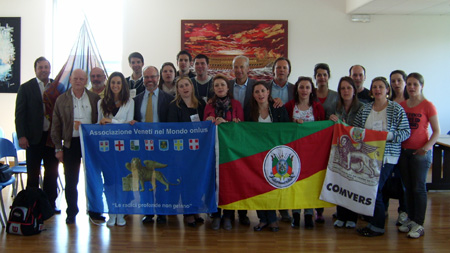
[241, 86]
[280, 89]
[33, 128]
[156, 100]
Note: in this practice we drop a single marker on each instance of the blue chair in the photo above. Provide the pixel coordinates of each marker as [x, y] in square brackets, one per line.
[3, 216]
[7, 149]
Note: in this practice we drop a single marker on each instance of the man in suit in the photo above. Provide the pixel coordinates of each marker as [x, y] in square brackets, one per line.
[281, 90]
[157, 101]
[33, 128]
[241, 86]
[135, 82]
[74, 107]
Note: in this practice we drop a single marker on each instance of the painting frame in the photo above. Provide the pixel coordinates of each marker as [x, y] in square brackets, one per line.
[10, 41]
[262, 41]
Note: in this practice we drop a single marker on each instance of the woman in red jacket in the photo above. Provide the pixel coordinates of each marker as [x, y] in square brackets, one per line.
[304, 108]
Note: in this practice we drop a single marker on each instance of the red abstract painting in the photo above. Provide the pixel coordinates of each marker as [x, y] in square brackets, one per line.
[221, 40]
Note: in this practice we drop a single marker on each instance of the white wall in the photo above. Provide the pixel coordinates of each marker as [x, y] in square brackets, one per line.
[319, 31]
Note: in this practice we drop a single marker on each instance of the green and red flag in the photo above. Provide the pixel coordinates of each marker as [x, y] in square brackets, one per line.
[269, 166]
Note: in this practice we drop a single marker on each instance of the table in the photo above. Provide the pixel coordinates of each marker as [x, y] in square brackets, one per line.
[440, 169]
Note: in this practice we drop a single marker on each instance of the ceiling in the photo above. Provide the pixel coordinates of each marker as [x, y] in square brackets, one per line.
[398, 7]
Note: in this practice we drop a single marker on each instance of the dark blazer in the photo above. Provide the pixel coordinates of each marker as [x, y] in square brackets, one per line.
[279, 114]
[30, 112]
[291, 88]
[248, 91]
[183, 113]
[164, 100]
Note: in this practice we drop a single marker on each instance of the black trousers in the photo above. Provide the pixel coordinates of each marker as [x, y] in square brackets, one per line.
[72, 161]
[34, 155]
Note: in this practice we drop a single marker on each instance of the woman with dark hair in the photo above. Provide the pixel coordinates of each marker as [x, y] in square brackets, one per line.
[304, 108]
[261, 109]
[398, 83]
[167, 78]
[116, 107]
[415, 158]
[223, 108]
[186, 108]
[394, 186]
[347, 107]
[383, 115]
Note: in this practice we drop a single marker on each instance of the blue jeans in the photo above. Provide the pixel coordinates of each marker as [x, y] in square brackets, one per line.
[379, 218]
[414, 170]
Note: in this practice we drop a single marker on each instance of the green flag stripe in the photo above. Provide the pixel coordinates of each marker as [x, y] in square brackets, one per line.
[248, 138]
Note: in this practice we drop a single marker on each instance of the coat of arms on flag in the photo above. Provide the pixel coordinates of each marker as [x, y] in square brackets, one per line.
[119, 145]
[149, 145]
[134, 145]
[163, 145]
[193, 144]
[104, 146]
[178, 144]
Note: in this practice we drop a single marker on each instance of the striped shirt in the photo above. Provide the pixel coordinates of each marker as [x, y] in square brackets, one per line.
[397, 124]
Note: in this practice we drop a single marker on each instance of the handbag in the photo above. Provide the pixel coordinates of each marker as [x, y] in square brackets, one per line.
[5, 173]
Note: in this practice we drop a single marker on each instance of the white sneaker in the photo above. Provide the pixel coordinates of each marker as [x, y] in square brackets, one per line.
[402, 218]
[350, 224]
[416, 232]
[339, 223]
[406, 227]
[120, 220]
[112, 220]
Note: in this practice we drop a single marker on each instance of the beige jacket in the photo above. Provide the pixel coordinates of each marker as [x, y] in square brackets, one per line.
[62, 122]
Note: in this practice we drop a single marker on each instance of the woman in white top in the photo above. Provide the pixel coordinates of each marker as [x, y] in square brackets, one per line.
[116, 107]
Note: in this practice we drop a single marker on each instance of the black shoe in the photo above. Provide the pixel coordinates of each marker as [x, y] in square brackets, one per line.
[309, 221]
[296, 221]
[198, 219]
[57, 211]
[70, 220]
[147, 219]
[244, 220]
[161, 219]
[367, 232]
[96, 216]
[259, 228]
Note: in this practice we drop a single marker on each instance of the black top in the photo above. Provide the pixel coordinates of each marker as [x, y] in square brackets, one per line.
[364, 96]
[279, 114]
[183, 113]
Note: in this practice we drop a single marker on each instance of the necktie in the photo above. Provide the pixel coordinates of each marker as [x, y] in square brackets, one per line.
[149, 111]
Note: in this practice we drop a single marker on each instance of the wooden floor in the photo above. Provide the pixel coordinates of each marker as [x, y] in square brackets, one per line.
[85, 236]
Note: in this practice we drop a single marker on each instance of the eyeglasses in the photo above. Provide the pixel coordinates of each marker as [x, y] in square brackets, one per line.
[98, 76]
[151, 77]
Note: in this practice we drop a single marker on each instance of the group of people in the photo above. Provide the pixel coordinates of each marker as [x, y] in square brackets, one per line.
[168, 95]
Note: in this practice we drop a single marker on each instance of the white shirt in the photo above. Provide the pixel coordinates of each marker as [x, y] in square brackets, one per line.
[44, 87]
[82, 111]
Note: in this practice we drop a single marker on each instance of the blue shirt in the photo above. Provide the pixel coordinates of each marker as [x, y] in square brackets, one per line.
[239, 92]
[280, 92]
[154, 105]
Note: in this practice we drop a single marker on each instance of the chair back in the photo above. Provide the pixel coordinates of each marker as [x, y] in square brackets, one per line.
[16, 141]
[7, 149]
